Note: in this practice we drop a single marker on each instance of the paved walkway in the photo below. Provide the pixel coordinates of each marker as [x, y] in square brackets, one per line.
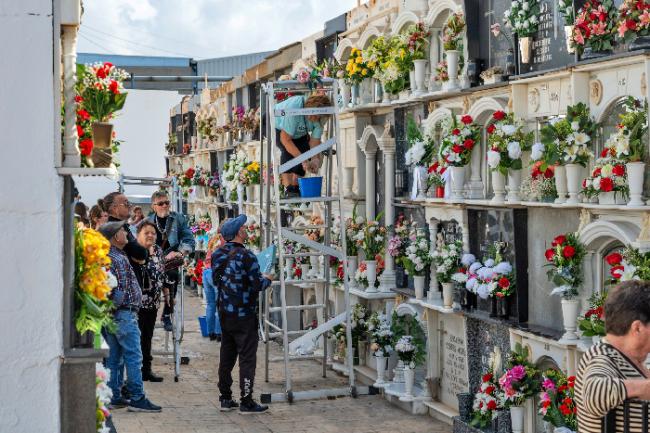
[191, 405]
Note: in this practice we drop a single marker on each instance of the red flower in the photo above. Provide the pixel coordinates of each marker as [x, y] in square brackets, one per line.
[468, 144]
[559, 240]
[569, 252]
[504, 283]
[549, 254]
[457, 149]
[466, 119]
[565, 410]
[604, 153]
[487, 377]
[86, 147]
[83, 114]
[596, 172]
[492, 405]
[101, 73]
[456, 131]
[108, 65]
[562, 388]
[80, 131]
[617, 271]
[619, 170]
[614, 259]
[499, 115]
[500, 295]
[546, 403]
[114, 87]
[433, 167]
[298, 272]
[489, 390]
[78, 99]
[606, 184]
[491, 128]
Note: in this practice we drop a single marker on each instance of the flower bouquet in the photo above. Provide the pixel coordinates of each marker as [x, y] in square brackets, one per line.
[361, 273]
[631, 264]
[459, 137]
[416, 259]
[437, 178]
[592, 323]
[250, 174]
[494, 277]
[540, 185]
[557, 404]
[608, 181]
[407, 351]
[634, 23]
[565, 7]
[381, 336]
[397, 244]
[201, 226]
[520, 381]
[446, 259]
[522, 18]
[441, 73]
[374, 237]
[103, 395]
[357, 69]
[565, 262]
[253, 235]
[594, 28]
[486, 402]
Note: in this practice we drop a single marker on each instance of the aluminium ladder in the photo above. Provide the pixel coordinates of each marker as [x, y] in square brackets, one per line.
[275, 232]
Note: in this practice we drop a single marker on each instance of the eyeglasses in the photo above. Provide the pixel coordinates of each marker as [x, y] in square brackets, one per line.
[162, 203]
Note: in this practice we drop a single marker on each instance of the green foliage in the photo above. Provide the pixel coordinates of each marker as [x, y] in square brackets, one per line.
[409, 325]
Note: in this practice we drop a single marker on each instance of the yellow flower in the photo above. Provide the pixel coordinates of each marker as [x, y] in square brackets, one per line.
[372, 65]
[364, 71]
[359, 60]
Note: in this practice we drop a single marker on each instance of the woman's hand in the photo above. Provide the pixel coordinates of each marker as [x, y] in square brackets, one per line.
[172, 255]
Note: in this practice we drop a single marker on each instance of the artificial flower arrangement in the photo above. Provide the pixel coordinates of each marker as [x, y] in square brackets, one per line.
[201, 225]
[592, 323]
[627, 142]
[556, 401]
[103, 395]
[608, 175]
[441, 72]
[381, 336]
[565, 263]
[315, 234]
[416, 40]
[460, 135]
[633, 19]
[407, 351]
[416, 258]
[521, 380]
[494, 277]
[392, 69]
[377, 54]
[187, 179]
[250, 174]
[254, 235]
[408, 326]
[446, 259]
[487, 402]
[397, 244]
[359, 318]
[453, 30]
[93, 282]
[374, 237]
[101, 90]
[436, 177]
[214, 183]
[630, 264]
[595, 25]
[540, 185]
[565, 7]
[200, 177]
[361, 275]
[421, 148]
[357, 69]
[354, 233]
[237, 162]
[237, 114]
[506, 141]
[522, 17]
[251, 120]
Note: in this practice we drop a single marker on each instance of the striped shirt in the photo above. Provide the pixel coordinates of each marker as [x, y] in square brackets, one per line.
[599, 388]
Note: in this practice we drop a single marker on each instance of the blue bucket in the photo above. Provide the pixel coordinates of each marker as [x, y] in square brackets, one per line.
[204, 326]
[310, 186]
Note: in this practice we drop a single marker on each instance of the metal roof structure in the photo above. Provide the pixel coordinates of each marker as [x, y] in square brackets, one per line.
[230, 66]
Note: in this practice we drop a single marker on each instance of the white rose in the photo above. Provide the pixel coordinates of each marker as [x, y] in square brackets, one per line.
[493, 158]
[596, 183]
[537, 151]
[525, 6]
[575, 126]
[509, 129]
[514, 150]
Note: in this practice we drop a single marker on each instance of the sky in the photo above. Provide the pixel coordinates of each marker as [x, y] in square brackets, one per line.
[201, 28]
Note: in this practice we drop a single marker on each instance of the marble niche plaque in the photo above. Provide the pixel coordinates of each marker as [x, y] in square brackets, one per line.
[453, 360]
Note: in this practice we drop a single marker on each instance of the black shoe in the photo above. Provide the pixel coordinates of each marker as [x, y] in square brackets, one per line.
[118, 403]
[126, 395]
[149, 376]
[167, 323]
[213, 337]
[228, 405]
[250, 407]
[143, 405]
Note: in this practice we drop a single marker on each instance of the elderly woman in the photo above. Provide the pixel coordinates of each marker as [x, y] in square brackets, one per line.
[614, 370]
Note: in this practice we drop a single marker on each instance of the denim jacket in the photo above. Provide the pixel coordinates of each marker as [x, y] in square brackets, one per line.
[179, 235]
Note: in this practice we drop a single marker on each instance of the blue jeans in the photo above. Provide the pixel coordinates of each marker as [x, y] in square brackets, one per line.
[211, 315]
[124, 351]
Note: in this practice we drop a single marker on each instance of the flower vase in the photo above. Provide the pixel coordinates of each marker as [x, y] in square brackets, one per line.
[517, 418]
[354, 98]
[102, 154]
[525, 49]
[635, 172]
[514, 185]
[453, 57]
[250, 193]
[376, 91]
[412, 83]
[409, 379]
[440, 192]
[385, 96]
[366, 91]
[288, 267]
[611, 198]
[420, 68]
[448, 295]
[457, 182]
[381, 370]
[498, 187]
[403, 96]
[573, 182]
[418, 284]
[568, 33]
[344, 89]
[304, 268]
[314, 268]
[560, 184]
[371, 273]
[352, 270]
[421, 177]
[570, 309]
[503, 309]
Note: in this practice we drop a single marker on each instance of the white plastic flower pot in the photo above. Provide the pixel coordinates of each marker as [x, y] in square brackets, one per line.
[420, 68]
[385, 96]
[574, 177]
[409, 380]
[381, 371]
[498, 187]
[250, 193]
[288, 269]
[412, 82]
[354, 98]
[371, 273]
[570, 309]
[611, 198]
[344, 89]
[366, 91]
[418, 284]
[514, 185]
[448, 295]
[517, 418]
[457, 182]
[568, 32]
[525, 49]
[352, 270]
[635, 175]
[560, 184]
[453, 57]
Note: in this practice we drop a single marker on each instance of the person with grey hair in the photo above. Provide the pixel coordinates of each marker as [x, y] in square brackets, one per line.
[614, 371]
[174, 236]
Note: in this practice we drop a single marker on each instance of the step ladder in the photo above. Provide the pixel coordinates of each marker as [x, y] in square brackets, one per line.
[276, 232]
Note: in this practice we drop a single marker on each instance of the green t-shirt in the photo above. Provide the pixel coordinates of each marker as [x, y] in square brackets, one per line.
[297, 126]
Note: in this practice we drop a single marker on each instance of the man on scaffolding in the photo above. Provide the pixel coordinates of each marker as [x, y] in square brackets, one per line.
[295, 135]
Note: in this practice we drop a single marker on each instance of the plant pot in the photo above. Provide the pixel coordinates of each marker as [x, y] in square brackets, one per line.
[440, 192]
[525, 49]
[465, 299]
[568, 33]
[465, 401]
[574, 176]
[381, 371]
[457, 182]
[420, 67]
[288, 267]
[611, 198]
[503, 307]
[403, 96]
[640, 43]
[376, 91]
[354, 98]
[344, 91]
[498, 187]
[517, 418]
[453, 57]
[250, 193]
[420, 175]
[352, 270]
[371, 273]
[411, 82]
[635, 177]
[560, 184]
[385, 96]
[596, 339]
[418, 284]
[409, 380]
[102, 154]
[514, 185]
[570, 309]
[448, 295]
[589, 54]
[304, 267]
[493, 307]
[366, 91]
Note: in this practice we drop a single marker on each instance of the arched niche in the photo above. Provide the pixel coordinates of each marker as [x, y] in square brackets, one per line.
[608, 120]
[369, 145]
[343, 50]
[403, 20]
[369, 138]
[366, 38]
[435, 21]
[435, 117]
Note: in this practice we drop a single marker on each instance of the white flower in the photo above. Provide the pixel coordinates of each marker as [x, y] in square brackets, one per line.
[459, 277]
[509, 129]
[474, 266]
[575, 126]
[483, 290]
[581, 138]
[537, 151]
[489, 263]
[471, 284]
[467, 259]
[607, 170]
[503, 268]
[485, 273]
[493, 158]
[525, 6]
[514, 150]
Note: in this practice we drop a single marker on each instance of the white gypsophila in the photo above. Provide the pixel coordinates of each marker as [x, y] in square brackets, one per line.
[514, 150]
[493, 158]
[503, 268]
[475, 266]
[467, 259]
[459, 277]
[537, 152]
[489, 263]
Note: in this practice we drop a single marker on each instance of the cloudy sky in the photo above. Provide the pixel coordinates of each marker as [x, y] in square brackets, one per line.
[201, 28]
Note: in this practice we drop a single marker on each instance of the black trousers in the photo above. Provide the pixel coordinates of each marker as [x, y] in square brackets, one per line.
[302, 143]
[173, 277]
[146, 322]
[239, 338]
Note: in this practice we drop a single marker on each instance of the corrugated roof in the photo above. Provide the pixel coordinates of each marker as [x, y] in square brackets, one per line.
[135, 61]
[230, 66]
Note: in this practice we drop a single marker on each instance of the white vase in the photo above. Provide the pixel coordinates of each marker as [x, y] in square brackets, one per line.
[570, 309]
[304, 267]
[314, 267]
[514, 185]
[418, 284]
[345, 93]
[371, 273]
[517, 418]
[376, 91]
[250, 193]
[611, 198]
[448, 294]
[385, 96]
[457, 182]
[288, 267]
[403, 96]
[498, 187]
[381, 371]
[366, 91]
[453, 57]
[412, 82]
[409, 380]
[422, 181]
[596, 339]
[560, 184]
[525, 49]
[635, 176]
[352, 270]
[574, 176]
[420, 68]
[568, 32]
[354, 98]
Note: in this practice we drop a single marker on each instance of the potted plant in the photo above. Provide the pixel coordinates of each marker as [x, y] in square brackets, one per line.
[522, 18]
[416, 259]
[494, 278]
[567, 11]
[608, 180]
[506, 142]
[374, 237]
[592, 323]
[356, 70]
[465, 272]
[556, 401]
[631, 264]
[354, 239]
[460, 135]
[487, 402]
[417, 41]
[519, 382]
[437, 178]
[409, 353]
[594, 29]
[381, 338]
[446, 259]
[565, 263]
[492, 75]
[452, 40]
[633, 23]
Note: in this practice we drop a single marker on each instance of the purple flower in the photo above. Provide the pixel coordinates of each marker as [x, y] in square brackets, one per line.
[548, 385]
[517, 372]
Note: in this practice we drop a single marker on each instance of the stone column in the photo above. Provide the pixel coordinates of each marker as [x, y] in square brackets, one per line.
[434, 294]
[475, 182]
[387, 278]
[371, 154]
[71, 154]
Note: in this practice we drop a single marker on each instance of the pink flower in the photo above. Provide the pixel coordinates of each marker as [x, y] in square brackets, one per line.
[644, 18]
[578, 37]
[622, 28]
[517, 372]
[303, 76]
[496, 29]
[548, 385]
[599, 29]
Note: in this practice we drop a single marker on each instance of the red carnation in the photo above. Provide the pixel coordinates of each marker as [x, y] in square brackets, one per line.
[565, 410]
[86, 147]
[80, 131]
[559, 240]
[492, 405]
[457, 148]
[466, 119]
[614, 259]
[549, 254]
[78, 99]
[489, 390]
[606, 184]
[504, 283]
[83, 114]
[568, 251]
[491, 128]
[468, 144]
[456, 131]
[617, 271]
[487, 377]
[442, 170]
[499, 115]
[114, 87]
[619, 170]
[604, 153]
